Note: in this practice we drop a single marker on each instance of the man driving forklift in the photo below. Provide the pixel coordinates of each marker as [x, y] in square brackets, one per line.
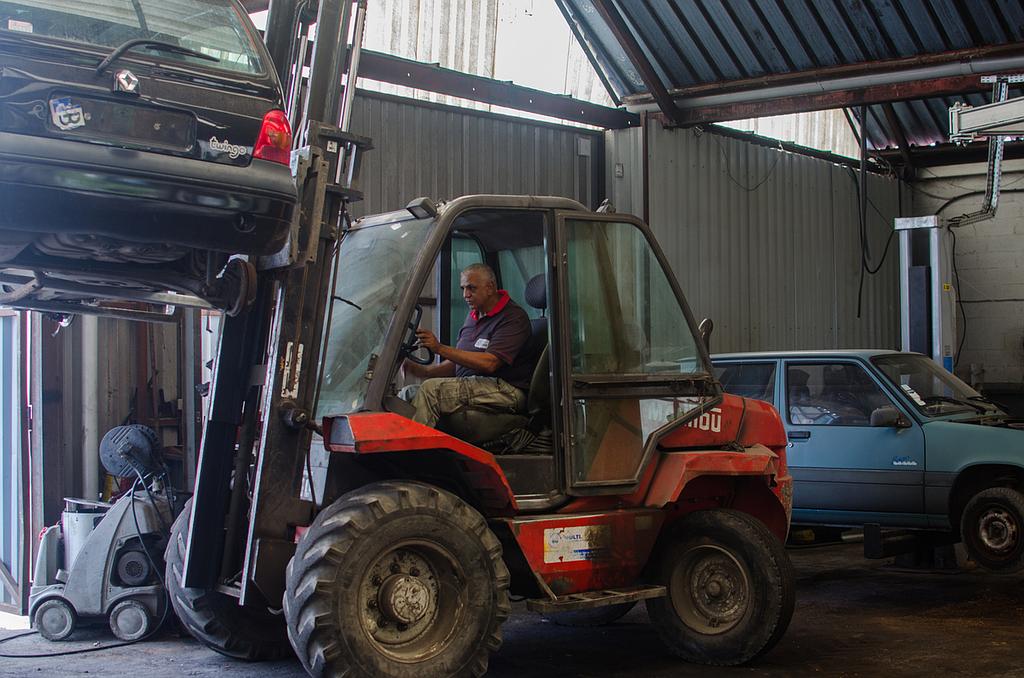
[487, 368]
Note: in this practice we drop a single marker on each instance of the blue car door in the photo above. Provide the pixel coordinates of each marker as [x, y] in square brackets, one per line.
[845, 470]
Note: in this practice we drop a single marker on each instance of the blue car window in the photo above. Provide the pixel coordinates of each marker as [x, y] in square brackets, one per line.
[831, 394]
[750, 380]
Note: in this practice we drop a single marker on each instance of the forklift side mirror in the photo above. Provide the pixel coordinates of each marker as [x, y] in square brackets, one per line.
[706, 327]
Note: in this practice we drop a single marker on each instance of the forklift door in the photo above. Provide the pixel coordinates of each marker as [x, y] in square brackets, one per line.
[634, 363]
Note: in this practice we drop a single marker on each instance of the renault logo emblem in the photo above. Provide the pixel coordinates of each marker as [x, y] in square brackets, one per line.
[125, 81]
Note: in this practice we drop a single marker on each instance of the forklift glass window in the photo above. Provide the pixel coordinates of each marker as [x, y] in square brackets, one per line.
[516, 267]
[624, 316]
[610, 434]
[465, 251]
[624, 319]
[373, 269]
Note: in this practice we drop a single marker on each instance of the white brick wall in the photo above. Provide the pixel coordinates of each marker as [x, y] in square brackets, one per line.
[990, 258]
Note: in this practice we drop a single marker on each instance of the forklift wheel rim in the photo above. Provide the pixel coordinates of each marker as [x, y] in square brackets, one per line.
[710, 589]
[412, 599]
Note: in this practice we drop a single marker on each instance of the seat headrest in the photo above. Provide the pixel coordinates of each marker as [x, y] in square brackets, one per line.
[798, 378]
[536, 292]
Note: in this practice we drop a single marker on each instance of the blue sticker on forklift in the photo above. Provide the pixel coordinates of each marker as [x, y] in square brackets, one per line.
[66, 114]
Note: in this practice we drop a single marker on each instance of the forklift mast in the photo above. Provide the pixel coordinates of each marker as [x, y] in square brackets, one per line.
[265, 377]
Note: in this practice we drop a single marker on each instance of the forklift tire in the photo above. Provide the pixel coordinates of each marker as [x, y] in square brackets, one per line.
[216, 619]
[731, 589]
[992, 527]
[397, 579]
[599, 616]
[55, 619]
[130, 620]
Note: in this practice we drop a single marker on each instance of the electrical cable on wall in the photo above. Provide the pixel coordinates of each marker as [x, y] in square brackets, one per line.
[953, 225]
[733, 179]
[959, 300]
[862, 215]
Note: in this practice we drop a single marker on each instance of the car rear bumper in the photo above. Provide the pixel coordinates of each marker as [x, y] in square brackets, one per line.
[57, 186]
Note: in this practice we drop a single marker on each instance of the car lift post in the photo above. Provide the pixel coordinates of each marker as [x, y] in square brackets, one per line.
[275, 346]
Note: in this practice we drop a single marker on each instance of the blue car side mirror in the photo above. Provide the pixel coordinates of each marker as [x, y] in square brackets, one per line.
[889, 417]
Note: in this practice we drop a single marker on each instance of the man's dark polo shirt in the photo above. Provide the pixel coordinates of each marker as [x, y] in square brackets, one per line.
[503, 332]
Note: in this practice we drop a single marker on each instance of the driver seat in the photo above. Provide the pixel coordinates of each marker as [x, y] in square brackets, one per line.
[500, 432]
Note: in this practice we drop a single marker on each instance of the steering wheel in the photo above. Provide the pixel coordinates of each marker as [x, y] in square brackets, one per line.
[409, 348]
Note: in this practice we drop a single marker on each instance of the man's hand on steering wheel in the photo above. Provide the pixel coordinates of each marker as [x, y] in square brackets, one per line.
[427, 340]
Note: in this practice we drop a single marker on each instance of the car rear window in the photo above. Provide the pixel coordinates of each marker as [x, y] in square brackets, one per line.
[213, 27]
[750, 380]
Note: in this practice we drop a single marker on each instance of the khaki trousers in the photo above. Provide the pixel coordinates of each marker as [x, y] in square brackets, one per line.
[436, 398]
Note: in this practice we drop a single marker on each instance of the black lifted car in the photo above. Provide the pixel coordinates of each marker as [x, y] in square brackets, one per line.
[142, 143]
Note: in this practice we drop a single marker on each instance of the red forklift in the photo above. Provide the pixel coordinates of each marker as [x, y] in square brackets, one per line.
[327, 523]
[630, 476]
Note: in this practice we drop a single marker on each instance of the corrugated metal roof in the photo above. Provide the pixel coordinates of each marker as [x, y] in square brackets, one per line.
[924, 121]
[699, 42]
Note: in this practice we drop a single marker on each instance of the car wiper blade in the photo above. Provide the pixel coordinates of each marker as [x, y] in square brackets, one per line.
[153, 44]
[987, 401]
[956, 401]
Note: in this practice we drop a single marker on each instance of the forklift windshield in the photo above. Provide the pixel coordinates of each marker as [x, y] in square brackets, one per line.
[373, 267]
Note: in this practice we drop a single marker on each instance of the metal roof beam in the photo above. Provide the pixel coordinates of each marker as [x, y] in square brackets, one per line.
[976, 60]
[902, 91]
[948, 154]
[433, 78]
[791, 147]
[610, 13]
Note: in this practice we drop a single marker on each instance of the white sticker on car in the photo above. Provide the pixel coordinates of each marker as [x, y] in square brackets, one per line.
[233, 150]
[909, 390]
[66, 114]
[571, 544]
[15, 25]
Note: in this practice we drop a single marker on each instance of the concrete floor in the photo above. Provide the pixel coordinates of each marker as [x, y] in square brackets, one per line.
[853, 618]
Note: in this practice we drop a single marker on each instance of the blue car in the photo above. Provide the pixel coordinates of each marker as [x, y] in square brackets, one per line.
[892, 438]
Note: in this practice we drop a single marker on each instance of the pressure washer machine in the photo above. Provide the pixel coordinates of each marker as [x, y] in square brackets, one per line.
[106, 559]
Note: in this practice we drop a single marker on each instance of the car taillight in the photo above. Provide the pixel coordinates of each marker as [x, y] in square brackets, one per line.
[274, 142]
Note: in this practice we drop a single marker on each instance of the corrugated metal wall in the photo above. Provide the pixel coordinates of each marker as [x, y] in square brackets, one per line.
[442, 152]
[764, 242]
[12, 502]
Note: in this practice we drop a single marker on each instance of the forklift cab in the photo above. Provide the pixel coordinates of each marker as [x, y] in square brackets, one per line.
[613, 337]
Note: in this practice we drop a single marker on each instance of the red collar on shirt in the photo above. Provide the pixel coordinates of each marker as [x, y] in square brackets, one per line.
[503, 300]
